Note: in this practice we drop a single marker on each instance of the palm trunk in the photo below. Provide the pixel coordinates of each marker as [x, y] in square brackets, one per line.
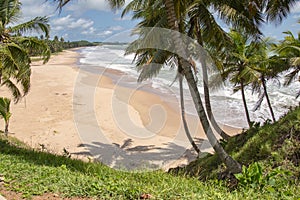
[267, 97]
[206, 88]
[6, 128]
[245, 103]
[230, 163]
[207, 102]
[186, 128]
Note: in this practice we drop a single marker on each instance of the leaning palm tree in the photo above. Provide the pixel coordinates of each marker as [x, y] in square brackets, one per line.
[5, 112]
[15, 50]
[174, 18]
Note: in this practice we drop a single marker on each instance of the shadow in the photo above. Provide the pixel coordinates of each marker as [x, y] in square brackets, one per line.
[141, 157]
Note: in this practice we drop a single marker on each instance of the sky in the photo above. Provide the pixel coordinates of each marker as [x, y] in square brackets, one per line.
[93, 20]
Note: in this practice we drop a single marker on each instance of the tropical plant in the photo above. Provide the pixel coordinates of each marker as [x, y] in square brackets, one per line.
[240, 56]
[5, 112]
[268, 67]
[15, 50]
[175, 19]
[248, 63]
[289, 48]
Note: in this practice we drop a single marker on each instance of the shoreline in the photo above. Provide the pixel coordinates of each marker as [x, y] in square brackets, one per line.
[133, 124]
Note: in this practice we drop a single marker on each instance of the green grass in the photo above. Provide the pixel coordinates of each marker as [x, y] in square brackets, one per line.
[275, 147]
[32, 172]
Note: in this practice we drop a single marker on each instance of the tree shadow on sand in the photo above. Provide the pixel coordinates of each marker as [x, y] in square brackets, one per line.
[127, 157]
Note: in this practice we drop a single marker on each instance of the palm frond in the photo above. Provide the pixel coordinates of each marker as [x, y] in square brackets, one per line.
[38, 24]
[277, 10]
[40, 47]
[9, 11]
[5, 108]
[13, 88]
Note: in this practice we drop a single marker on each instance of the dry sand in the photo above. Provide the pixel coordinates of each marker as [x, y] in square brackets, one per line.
[89, 115]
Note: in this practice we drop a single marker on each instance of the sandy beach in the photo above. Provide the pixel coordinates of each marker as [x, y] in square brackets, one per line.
[90, 116]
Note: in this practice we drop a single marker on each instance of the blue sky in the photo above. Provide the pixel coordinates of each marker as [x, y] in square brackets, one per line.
[93, 20]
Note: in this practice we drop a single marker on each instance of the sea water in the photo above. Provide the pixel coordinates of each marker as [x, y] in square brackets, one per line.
[227, 106]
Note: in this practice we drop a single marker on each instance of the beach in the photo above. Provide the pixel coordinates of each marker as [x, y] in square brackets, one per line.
[92, 117]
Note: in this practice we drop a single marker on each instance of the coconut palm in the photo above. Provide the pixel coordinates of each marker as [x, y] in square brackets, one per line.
[5, 112]
[268, 67]
[15, 50]
[238, 64]
[289, 48]
[174, 22]
[187, 72]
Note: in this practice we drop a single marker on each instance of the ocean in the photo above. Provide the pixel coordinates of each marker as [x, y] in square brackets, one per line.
[227, 106]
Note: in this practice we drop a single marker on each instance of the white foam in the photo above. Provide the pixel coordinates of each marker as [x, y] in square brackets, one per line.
[227, 106]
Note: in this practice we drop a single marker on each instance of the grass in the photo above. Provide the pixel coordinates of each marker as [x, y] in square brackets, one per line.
[273, 146]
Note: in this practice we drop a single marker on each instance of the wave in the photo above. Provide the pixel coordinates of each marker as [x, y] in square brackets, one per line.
[227, 106]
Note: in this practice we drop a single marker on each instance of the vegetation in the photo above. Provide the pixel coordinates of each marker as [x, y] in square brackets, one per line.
[198, 22]
[15, 50]
[272, 145]
[58, 45]
[259, 163]
[271, 153]
[5, 112]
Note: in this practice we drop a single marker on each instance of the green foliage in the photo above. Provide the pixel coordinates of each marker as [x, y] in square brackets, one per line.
[57, 45]
[254, 176]
[15, 50]
[31, 172]
[5, 111]
[251, 175]
[273, 145]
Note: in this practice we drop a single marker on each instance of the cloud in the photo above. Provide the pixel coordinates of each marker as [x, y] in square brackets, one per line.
[89, 31]
[115, 28]
[125, 18]
[83, 5]
[296, 8]
[105, 33]
[33, 8]
[71, 23]
[81, 23]
[63, 21]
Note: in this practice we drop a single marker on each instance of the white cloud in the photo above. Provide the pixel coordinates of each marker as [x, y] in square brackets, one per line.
[83, 5]
[109, 31]
[89, 31]
[296, 8]
[63, 21]
[33, 8]
[81, 23]
[104, 33]
[71, 23]
[115, 28]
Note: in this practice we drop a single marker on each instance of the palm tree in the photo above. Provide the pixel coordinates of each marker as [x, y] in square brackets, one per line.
[174, 22]
[240, 56]
[268, 67]
[15, 50]
[149, 62]
[5, 112]
[289, 48]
